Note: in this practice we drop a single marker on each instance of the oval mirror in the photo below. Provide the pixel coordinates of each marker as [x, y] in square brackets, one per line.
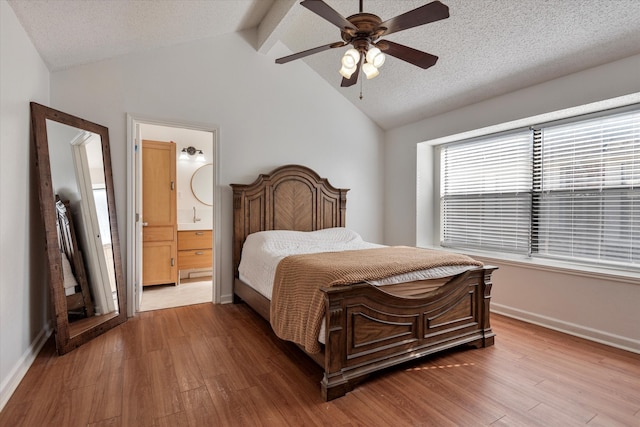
[78, 208]
[202, 184]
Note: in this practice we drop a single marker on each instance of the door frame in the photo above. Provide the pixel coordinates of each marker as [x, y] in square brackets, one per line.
[94, 255]
[134, 173]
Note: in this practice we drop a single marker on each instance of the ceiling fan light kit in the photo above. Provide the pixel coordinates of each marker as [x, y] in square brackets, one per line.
[375, 57]
[347, 72]
[362, 32]
[351, 58]
[350, 62]
[369, 70]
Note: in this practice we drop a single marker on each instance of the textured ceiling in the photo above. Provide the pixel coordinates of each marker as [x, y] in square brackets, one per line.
[486, 47]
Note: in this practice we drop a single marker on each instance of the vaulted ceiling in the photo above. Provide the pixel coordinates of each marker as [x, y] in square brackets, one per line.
[486, 47]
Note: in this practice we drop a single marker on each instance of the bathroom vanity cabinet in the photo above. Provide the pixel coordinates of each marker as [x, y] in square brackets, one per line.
[195, 249]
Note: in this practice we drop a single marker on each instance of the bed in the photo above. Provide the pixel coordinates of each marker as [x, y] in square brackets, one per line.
[365, 327]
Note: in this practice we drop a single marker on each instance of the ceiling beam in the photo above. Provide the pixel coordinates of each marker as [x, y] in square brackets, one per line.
[275, 21]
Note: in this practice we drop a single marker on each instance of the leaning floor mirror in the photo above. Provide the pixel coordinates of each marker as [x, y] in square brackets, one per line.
[78, 209]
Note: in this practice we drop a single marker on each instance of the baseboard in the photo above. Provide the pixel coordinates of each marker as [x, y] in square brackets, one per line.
[10, 384]
[591, 334]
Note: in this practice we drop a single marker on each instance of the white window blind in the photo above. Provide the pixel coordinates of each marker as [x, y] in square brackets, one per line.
[588, 190]
[486, 193]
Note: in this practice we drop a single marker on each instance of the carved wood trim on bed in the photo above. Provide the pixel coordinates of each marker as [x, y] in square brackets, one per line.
[366, 328]
[291, 197]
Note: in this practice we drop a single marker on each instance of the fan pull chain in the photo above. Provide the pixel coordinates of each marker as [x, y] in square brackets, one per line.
[360, 89]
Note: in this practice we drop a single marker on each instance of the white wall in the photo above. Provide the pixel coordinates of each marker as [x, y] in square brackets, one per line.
[24, 294]
[593, 306]
[268, 115]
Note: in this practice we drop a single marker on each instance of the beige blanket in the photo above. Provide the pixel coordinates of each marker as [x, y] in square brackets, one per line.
[297, 304]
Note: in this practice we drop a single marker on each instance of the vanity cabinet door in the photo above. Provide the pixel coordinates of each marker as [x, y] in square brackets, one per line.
[159, 232]
[197, 258]
[200, 239]
[158, 262]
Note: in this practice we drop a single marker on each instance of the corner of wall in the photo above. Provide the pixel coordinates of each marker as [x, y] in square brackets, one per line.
[11, 382]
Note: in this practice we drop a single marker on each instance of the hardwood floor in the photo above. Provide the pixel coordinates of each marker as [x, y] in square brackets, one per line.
[220, 365]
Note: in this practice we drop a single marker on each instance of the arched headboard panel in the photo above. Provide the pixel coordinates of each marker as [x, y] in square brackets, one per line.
[291, 197]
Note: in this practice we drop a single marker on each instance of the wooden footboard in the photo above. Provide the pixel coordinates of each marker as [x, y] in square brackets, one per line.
[368, 330]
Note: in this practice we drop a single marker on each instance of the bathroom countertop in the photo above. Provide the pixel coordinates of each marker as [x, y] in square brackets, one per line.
[187, 226]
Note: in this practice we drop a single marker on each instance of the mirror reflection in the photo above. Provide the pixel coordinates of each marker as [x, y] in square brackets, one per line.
[78, 181]
[202, 184]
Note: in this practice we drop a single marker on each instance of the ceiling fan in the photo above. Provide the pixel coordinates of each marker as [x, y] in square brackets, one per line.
[363, 30]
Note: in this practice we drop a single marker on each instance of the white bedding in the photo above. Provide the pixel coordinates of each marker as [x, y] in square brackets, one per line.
[262, 252]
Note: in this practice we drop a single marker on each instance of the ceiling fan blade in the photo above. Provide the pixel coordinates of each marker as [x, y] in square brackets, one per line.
[325, 11]
[308, 52]
[430, 12]
[409, 54]
[354, 77]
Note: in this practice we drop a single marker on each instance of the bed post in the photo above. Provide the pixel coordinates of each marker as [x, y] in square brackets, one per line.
[333, 383]
[487, 332]
[238, 236]
[343, 207]
[484, 306]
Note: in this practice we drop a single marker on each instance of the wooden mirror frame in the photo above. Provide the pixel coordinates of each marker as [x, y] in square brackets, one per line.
[68, 337]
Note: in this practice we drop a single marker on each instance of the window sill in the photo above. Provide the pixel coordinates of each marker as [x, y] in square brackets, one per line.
[576, 269]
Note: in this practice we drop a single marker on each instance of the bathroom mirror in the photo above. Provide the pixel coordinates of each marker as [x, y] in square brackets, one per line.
[202, 184]
[77, 204]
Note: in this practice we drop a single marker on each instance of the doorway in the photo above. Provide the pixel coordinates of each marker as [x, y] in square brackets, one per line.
[197, 208]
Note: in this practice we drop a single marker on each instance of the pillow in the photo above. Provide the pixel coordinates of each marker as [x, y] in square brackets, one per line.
[288, 238]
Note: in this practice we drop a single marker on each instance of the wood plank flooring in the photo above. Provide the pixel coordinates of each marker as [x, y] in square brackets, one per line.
[220, 365]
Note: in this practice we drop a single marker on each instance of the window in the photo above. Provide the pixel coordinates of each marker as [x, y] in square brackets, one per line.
[486, 193]
[566, 191]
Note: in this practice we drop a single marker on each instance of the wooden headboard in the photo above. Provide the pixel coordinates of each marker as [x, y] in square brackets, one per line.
[291, 197]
